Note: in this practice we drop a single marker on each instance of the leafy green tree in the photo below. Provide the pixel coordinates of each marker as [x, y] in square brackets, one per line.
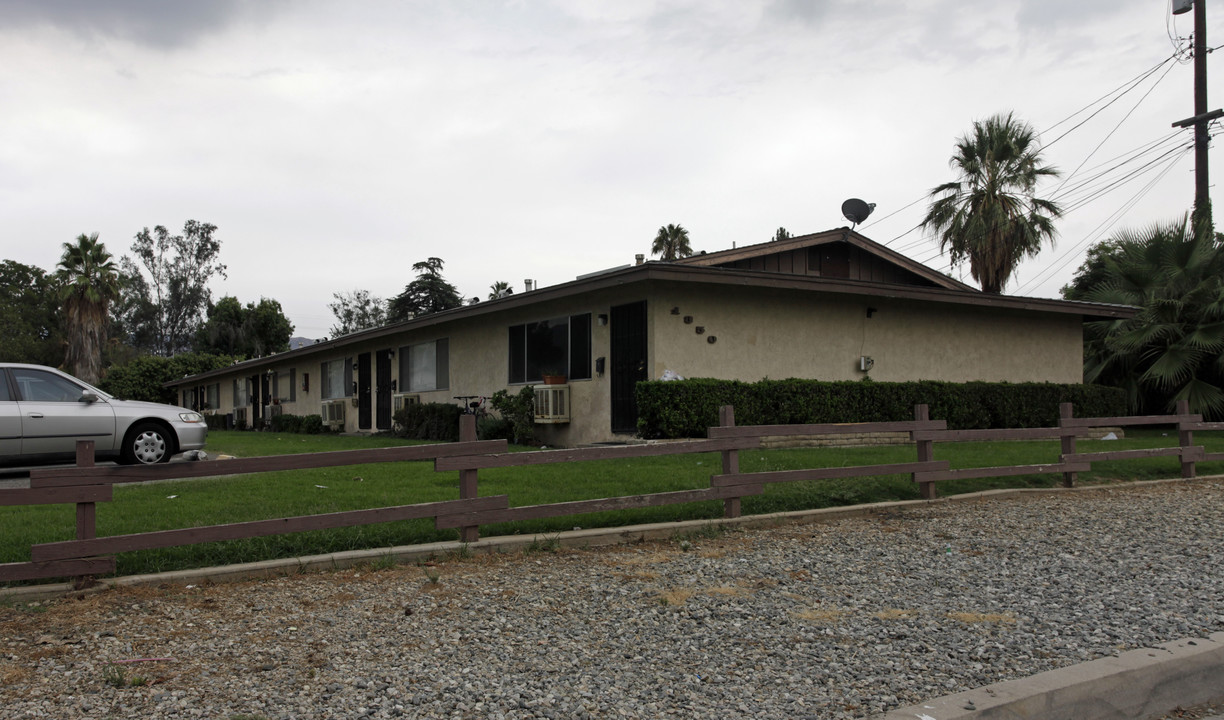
[782, 234]
[1173, 349]
[29, 315]
[356, 310]
[250, 331]
[991, 215]
[144, 377]
[671, 243]
[268, 330]
[500, 289]
[165, 310]
[88, 283]
[429, 293]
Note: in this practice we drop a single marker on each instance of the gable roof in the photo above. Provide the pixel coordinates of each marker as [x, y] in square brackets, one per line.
[739, 256]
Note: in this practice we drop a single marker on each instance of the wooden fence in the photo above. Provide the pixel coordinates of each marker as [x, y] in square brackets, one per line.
[86, 484]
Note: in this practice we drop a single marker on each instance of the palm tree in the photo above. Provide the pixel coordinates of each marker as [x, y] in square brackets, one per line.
[500, 289]
[89, 282]
[1173, 348]
[672, 242]
[990, 215]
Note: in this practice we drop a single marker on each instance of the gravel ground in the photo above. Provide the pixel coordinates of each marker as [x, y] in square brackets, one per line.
[834, 620]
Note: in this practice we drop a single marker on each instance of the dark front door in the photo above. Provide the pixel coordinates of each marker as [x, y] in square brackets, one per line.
[382, 396]
[256, 399]
[628, 351]
[364, 393]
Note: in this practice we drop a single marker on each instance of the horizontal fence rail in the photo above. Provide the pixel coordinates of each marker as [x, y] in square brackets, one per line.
[60, 477]
[86, 484]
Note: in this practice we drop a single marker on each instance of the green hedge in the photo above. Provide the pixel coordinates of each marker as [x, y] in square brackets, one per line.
[687, 408]
[302, 424]
[428, 421]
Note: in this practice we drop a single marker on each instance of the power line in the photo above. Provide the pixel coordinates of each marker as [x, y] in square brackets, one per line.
[1104, 226]
[1111, 132]
[1123, 159]
[1129, 85]
[1168, 158]
[1124, 88]
[1107, 187]
[894, 212]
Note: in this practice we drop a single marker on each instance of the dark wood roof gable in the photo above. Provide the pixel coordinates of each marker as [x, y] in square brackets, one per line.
[841, 254]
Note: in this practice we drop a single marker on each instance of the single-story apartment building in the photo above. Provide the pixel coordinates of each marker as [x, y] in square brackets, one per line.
[829, 306]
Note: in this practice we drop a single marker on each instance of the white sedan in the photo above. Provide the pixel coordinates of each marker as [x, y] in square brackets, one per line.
[43, 412]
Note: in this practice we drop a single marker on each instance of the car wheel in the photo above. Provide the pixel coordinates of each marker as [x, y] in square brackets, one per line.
[147, 444]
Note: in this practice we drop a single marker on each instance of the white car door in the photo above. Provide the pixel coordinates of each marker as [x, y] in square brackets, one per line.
[54, 417]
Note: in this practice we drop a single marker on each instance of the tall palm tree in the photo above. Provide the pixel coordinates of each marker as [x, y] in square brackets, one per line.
[990, 215]
[671, 243]
[1173, 349]
[89, 282]
[500, 289]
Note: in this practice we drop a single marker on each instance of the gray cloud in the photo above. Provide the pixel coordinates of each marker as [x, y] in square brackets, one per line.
[155, 23]
[1060, 14]
[808, 12]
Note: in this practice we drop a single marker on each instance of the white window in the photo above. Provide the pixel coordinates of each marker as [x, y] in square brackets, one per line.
[425, 366]
[242, 392]
[337, 379]
[213, 396]
[284, 385]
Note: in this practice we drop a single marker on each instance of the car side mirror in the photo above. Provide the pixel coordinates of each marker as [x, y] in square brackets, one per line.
[88, 396]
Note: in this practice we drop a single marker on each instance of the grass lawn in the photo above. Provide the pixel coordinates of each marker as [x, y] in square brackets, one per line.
[190, 503]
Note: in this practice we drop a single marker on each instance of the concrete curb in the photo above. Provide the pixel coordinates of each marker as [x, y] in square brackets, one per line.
[1138, 684]
[570, 538]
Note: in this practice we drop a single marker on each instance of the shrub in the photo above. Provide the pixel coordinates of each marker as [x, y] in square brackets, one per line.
[216, 422]
[285, 423]
[312, 425]
[428, 421]
[519, 410]
[688, 408]
[494, 428]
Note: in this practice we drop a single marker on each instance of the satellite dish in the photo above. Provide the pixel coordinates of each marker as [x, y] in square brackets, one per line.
[856, 211]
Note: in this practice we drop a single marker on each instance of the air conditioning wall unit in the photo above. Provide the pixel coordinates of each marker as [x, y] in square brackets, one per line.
[399, 400]
[271, 411]
[552, 404]
[240, 417]
[333, 413]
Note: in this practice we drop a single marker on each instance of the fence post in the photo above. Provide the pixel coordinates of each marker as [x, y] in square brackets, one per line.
[467, 478]
[1065, 412]
[730, 460]
[1185, 438]
[86, 512]
[926, 452]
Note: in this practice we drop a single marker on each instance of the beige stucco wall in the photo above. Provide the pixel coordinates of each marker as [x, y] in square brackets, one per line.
[479, 365]
[781, 334]
[760, 333]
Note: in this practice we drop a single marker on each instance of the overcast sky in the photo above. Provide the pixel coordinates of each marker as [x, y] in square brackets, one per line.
[335, 144]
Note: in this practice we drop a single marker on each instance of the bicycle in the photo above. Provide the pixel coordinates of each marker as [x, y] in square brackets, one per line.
[473, 405]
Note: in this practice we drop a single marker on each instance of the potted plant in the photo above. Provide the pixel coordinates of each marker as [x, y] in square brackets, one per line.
[554, 376]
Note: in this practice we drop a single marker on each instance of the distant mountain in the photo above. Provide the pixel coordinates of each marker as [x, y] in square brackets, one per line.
[300, 342]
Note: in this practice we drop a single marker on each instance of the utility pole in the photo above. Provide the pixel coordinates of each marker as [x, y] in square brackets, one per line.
[1202, 196]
